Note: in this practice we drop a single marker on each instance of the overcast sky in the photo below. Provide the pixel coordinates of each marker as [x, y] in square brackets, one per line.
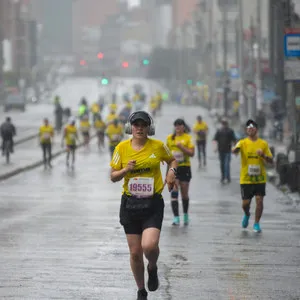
[131, 2]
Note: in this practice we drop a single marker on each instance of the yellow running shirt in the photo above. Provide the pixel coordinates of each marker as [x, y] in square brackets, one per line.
[146, 179]
[85, 126]
[114, 133]
[200, 130]
[99, 125]
[70, 135]
[252, 166]
[186, 141]
[111, 118]
[46, 133]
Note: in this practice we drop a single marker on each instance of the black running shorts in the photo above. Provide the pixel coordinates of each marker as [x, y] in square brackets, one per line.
[184, 173]
[136, 224]
[249, 191]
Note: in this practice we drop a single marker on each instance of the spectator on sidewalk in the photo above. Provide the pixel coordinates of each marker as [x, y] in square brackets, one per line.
[224, 139]
[58, 113]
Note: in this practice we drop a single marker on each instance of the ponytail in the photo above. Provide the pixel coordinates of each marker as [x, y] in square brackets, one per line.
[173, 136]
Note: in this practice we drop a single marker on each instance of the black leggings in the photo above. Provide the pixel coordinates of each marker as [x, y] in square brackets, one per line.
[201, 148]
[47, 152]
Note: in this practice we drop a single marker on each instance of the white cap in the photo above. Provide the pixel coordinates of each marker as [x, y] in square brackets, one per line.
[72, 120]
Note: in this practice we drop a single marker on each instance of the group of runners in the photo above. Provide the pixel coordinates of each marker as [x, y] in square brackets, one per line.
[137, 161]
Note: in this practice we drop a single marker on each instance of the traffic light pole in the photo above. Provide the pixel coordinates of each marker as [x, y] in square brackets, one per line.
[243, 109]
[258, 58]
[226, 87]
[212, 67]
[1, 49]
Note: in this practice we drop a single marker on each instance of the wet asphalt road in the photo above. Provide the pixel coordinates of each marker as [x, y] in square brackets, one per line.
[60, 237]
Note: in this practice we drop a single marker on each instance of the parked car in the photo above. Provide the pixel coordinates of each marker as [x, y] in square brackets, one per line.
[15, 102]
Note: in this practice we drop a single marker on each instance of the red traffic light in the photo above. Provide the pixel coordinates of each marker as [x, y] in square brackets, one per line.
[82, 62]
[100, 55]
[125, 64]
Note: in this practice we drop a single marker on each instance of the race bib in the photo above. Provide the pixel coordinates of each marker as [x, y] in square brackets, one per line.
[178, 155]
[254, 170]
[46, 136]
[141, 187]
[72, 137]
[115, 137]
[84, 129]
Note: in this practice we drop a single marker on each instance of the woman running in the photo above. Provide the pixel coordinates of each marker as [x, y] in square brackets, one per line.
[138, 160]
[182, 147]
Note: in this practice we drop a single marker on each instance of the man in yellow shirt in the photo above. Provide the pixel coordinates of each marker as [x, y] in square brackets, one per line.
[70, 136]
[111, 117]
[100, 126]
[255, 152]
[153, 106]
[85, 127]
[95, 109]
[46, 135]
[200, 129]
[115, 135]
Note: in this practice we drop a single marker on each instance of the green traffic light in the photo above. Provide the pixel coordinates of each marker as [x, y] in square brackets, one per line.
[199, 83]
[165, 96]
[146, 62]
[189, 82]
[104, 81]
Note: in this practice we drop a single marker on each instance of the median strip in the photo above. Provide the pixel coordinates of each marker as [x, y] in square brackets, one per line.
[34, 165]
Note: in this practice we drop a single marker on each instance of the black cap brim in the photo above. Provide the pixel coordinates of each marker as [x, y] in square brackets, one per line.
[140, 116]
[251, 122]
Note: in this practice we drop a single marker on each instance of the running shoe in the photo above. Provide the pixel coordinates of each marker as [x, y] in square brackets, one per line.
[256, 227]
[153, 281]
[142, 294]
[176, 221]
[245, 221]
[186, 219]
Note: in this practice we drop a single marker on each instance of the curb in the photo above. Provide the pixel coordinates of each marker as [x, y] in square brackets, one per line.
[34, 165]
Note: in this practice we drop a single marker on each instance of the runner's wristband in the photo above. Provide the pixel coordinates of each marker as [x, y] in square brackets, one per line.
[174, 170]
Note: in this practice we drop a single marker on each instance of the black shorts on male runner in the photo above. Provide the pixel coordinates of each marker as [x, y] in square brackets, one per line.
[136, 224]
[184, 173]
[249, 191]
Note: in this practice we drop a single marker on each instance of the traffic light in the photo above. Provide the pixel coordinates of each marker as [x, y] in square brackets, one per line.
[189, 82]
[82, 62]
[125, 64]
[146, 62]
[199, 83]
[100, 55]
[104, 81]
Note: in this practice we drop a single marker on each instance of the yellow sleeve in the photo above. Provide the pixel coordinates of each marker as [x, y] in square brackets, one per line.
[267, 151]
[239, 145]
[190, 144]
[116, 161]
[168, 142]
[165, 153]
